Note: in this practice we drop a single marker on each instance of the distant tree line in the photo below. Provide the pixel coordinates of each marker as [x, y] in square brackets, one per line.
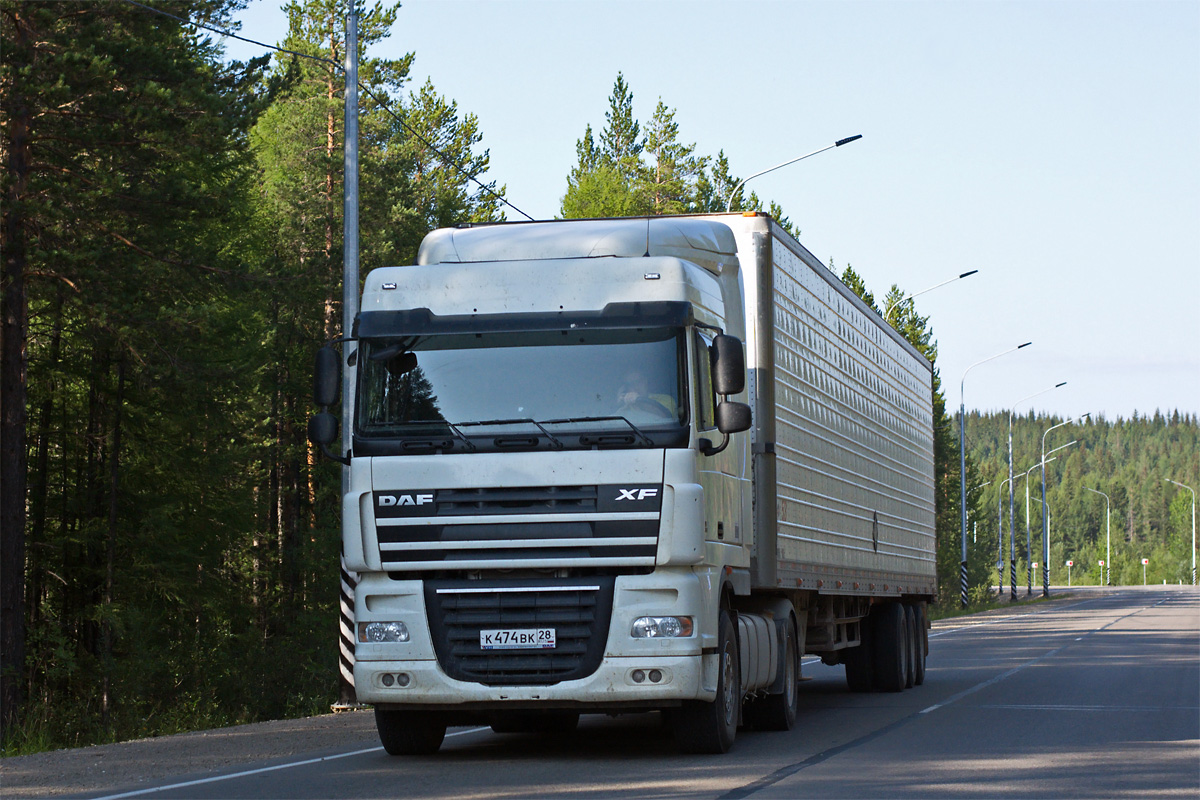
[1129, 460]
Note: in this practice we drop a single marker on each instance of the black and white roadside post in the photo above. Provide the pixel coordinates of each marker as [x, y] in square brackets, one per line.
[1193, 491]
[349, 580]
[962, 463]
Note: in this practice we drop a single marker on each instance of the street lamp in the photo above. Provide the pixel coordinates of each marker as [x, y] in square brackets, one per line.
[908, 297]
[1011, 521]
[838, 143]
[1193, 491]
[1000, 534]
[1107, 535]
[962, 461]
[1045, 522]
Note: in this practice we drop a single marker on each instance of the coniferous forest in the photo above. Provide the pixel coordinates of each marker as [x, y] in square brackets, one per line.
[172, 248]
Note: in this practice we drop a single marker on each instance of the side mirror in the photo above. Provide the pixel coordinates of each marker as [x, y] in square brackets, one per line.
[323, 431]
[729, 364]
[733, 417]
[327, 378]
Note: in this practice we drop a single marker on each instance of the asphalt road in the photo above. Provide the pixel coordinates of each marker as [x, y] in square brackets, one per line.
[1096, 696]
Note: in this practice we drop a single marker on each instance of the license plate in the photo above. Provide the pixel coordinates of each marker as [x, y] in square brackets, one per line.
[517, 639]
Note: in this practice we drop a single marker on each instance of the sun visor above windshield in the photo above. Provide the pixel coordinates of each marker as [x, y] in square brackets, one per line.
[422, 321]
[706, 243]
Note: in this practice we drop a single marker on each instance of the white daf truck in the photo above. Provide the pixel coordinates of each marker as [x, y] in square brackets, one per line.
[627, 465]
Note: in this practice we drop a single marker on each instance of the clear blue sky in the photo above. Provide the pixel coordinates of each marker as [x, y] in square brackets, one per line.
[1053, 146]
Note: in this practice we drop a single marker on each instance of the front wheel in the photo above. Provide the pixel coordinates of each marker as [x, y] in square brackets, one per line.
[410, 733]
[711, 727]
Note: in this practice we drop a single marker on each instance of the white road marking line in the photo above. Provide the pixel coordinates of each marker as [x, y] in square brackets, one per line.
[260, 770]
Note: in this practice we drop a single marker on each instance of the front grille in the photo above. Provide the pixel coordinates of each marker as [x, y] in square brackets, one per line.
[578, 609]
[516, 500]
[518, 527]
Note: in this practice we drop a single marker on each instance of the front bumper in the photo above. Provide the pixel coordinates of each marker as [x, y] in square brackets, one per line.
[633, 673]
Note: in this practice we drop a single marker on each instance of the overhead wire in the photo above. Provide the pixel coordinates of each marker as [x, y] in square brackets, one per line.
[366, 90]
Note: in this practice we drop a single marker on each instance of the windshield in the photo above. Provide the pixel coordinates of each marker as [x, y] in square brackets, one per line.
[540, 388]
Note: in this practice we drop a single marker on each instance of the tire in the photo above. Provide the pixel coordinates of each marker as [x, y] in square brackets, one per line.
[777, 712]
[910, 635]
[543, 722]
[410, 733]
[920, 641]
[859, 661]
[890, 648]
[701, 727]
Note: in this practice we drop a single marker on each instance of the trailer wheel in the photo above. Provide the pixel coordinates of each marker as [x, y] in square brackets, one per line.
[890, 648]
[910, 635]
[777, 712]
[410, 733]
[860, 669]
[917, 613]
[711, 727]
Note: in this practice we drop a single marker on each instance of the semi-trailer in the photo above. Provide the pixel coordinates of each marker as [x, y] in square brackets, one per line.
[627, 465]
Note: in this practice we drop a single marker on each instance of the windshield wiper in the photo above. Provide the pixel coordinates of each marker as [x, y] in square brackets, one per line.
[646, 440]
[558, 445]
[454, 429]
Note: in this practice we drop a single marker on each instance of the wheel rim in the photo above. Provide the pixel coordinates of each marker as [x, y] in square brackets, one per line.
[728, 690]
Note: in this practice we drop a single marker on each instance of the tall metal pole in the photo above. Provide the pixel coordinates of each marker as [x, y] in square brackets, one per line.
[1107, 536]
[1011, 518]
[349, 580]
[1193, 491]
[962, 464]
[1012, 562]
[1046, 510]
[1000, 530]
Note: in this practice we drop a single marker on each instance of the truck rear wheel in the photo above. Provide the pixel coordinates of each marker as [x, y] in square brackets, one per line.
[410, 733]
[711, 727]
[890, 647]
[777, 712]
[917, 614]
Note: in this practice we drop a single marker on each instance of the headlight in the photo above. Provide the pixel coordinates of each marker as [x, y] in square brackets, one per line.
[661, 627]
[382, 632]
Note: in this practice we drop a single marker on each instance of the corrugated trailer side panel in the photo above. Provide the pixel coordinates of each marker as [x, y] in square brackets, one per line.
[854, 437]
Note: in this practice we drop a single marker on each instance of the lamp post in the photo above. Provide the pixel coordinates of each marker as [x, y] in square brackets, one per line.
[1046, 510]
[962, 461]
[1107, 535]
[1000, 533]
[1011, 521]
[1193, 491]
[838, 143]
[908, 297]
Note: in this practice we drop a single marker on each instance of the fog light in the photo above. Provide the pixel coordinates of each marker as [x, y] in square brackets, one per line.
[661, 627]
[387, 679]
[403, 680]
[382, 632]
[655, 675]
[638, 676]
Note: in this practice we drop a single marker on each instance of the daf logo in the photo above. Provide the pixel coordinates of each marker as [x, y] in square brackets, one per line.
[406, 500]
[636, 494]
